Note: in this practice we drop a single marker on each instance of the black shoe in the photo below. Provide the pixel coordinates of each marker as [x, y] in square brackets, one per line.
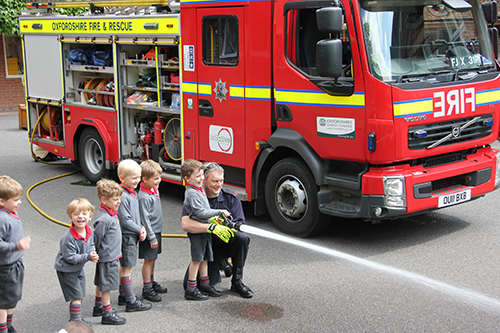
[151, 295]
[97, 311]
[11, 330]
[158, 288]
[113, 319]
[138, 306]
[195, 295]
[122, 300]
[238, 287]
[87, 322]
[228, 269]
[210, 291]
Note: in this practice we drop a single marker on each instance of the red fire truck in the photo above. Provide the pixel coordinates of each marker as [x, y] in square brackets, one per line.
[372, 109]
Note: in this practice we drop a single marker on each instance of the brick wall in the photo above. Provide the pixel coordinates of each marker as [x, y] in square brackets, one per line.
[11, 90]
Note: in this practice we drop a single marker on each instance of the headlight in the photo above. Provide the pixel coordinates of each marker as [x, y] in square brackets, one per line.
[497, 174]
[394, 186]
[394, 190]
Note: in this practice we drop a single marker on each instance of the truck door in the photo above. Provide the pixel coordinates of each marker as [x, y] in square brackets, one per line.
[221, 81]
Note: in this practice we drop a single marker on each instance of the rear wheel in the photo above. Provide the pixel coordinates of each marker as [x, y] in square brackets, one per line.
[92, 155]
[291, 199]
[172, 138]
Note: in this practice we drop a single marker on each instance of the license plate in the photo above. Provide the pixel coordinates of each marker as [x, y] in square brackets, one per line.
[453, 199]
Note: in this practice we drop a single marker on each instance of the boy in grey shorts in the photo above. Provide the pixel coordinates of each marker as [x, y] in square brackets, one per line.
[152, 219]
[75, 249]
[108, 241]
[198, 208]
[129, 173]
[12, 246]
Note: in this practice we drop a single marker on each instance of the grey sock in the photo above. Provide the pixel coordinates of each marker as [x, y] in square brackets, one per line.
[204, 281]
[191, 286]
[75, 312]
[128, 290]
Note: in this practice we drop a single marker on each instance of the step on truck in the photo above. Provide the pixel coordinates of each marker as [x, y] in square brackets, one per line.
[371, 109]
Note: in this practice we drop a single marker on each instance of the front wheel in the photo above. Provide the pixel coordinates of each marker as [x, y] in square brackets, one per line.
[291, 199]
[92, 155]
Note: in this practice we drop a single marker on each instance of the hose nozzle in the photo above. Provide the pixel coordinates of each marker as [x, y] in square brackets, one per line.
[228, 222]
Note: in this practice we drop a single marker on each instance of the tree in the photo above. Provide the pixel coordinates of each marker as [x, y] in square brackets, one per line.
[10, 9]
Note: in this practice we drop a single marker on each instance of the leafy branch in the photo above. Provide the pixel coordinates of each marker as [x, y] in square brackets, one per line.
[10, 9]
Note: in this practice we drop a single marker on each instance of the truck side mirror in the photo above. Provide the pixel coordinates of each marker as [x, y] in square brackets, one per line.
[329, 19]
[329, 58]
[494, 40]
[329, 51]
[490, 9]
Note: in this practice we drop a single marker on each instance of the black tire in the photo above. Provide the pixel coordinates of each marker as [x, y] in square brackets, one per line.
[92, 155]
[290, 183]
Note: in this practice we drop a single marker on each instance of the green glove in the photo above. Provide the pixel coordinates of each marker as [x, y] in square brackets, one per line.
[216, 220]
[223, 232]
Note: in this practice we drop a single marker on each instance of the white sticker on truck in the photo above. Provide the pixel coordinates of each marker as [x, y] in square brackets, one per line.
[221, 139]
[332, 127]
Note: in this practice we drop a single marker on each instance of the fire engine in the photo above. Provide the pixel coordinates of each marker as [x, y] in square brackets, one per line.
[371, 109]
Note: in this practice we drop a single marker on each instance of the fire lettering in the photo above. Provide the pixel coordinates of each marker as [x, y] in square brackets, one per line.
[456, 101]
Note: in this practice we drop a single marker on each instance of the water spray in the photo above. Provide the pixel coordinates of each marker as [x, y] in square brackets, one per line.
[471, 297]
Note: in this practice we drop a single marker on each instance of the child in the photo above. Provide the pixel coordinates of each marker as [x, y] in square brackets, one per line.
[108, 240]
[152, 220]
[198, 208]
[75, 249]
[129, 173]
[12, 246]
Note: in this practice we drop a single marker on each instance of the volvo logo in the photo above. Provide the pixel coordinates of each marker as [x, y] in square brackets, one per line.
[455, 132]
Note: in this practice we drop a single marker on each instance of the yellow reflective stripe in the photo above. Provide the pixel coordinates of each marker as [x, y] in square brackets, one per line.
[258, 93]
[318, 98]
[237, 91]
[487, 97]
[205, 89]
[413, 107]
[190, 87]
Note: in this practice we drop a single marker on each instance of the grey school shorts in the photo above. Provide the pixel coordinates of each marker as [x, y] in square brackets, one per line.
[107, 275]
[145, 250]
[201, 247]
[72, 284]
[11, 284]
[129, 250]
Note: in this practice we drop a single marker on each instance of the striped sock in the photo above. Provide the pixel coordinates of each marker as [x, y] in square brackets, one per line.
[75, 312]
[9, 320]
[191, 286]
[120, 290]
[107, 310]
[204, 281]
[126, 282]
[3, 327]
[98, 302]
[148, 285]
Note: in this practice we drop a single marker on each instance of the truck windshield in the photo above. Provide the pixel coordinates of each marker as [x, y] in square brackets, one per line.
[415, 39]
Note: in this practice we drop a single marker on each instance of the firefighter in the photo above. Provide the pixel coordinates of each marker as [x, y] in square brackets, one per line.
[237, 247]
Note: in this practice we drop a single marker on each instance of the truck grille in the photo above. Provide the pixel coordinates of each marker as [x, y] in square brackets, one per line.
[448, 183]
[420, 137]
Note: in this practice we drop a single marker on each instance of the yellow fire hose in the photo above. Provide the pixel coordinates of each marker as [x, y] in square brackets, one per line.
[60, 176]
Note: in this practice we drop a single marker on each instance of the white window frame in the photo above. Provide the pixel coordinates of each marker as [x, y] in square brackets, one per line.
[18, 76]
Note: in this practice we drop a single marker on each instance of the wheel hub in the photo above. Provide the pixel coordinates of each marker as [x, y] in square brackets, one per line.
[94, 156]
[291, 198]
